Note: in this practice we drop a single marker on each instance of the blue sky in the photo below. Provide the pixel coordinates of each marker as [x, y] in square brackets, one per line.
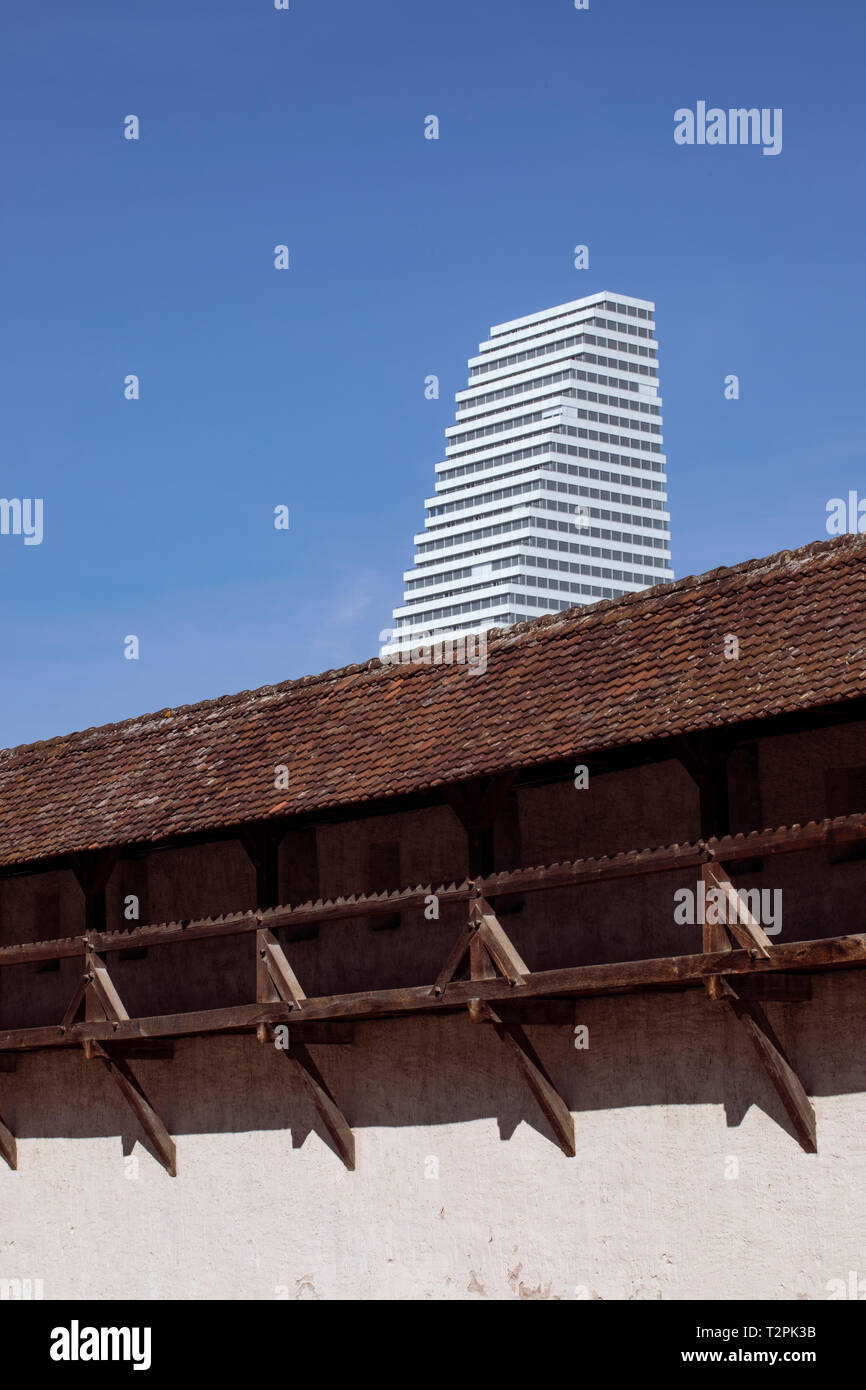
[306, 387]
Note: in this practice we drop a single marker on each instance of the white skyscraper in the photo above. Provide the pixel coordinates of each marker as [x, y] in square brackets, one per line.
[552, 493]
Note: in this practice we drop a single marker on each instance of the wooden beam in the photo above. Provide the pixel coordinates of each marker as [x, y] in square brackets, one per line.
[554, 1107]
[481, 966]
[133, 1093]
[102, 999]
[837, 952]
[8, 1146]
[330, 1113]
[782, 1075]
[715, 938]
[266, 990]
[493, 949]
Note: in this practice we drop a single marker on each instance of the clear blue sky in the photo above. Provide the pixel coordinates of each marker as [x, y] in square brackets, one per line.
[306, 387]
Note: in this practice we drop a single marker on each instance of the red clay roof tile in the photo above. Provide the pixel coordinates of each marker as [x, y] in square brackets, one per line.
[646, 666]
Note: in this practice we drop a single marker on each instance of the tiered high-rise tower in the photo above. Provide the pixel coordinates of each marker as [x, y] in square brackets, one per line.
[553, 491]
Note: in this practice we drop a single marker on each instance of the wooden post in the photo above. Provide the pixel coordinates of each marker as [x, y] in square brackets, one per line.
[93, 869]
[705, 758]
[262, 843]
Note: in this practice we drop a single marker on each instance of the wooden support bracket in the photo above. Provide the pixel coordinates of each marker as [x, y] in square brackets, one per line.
[8, 1146]
[497, 942]
[742, 924]
[329, 1112]
[554, 1107]
[275, 979]
[751, 935]
[490, 949]
[785, 1080]
[102, 987]
[97, 994]
[489, 946]
[133, 1093]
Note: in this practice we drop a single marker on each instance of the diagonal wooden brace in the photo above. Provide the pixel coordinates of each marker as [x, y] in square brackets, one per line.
[134, 1095]
[275, 979]
[785, 1080]
[102, 986]
[741, 923]
[715, 937]
[74, 1007]
[101, 1000]
[499, 945]
[554, 1107]
[330, 1113]
[8, 1146]
[488, 946]
[285, 980]
[491, 950]
[456, 957]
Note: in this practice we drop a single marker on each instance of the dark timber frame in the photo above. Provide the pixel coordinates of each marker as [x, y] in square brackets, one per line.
[500, 990]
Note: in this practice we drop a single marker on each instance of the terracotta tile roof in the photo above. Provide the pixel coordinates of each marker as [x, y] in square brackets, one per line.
[645, 666]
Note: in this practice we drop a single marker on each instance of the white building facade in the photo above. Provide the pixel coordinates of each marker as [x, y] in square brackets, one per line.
[553, 490]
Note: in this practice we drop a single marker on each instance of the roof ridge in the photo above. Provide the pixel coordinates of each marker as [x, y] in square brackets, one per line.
[581, 613]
